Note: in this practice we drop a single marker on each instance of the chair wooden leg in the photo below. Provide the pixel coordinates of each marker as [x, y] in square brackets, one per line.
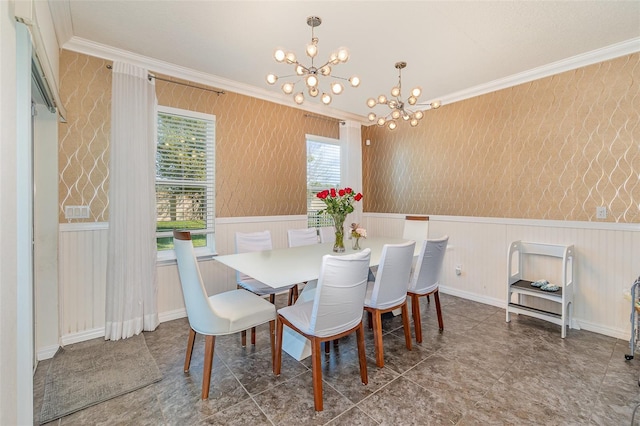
[272, 298]
[417, 322]
[316, 370]
[209, 344]
[377, 337]
[295, 293]
[428, 300]
[436, 296]
[190, 342]
[290, 299]
[327, 347]
[253, 336]
[370, 320]
[243, 337]
[277, 363]
[362, 357]
[405, 325]
[272, 337]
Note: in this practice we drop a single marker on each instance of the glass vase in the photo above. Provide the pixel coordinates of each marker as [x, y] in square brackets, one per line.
[338, 222]
[355, 243]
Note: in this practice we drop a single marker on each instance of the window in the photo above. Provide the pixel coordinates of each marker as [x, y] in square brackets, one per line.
[185, 178]
[323, 171]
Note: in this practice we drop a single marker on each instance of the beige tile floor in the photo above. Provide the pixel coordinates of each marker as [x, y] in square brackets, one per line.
[479, 371]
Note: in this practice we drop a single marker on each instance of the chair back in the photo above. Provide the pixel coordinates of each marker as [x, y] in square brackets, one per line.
[390, 286]
[416, 228]
[302, 237]
[426, 274]
[251, 241]
[327, 234]
[339, 298]
[202, 318]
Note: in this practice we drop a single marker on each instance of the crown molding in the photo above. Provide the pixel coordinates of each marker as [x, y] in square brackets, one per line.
[589, 58]
[91, 48]
[61, 16]
[88, 47]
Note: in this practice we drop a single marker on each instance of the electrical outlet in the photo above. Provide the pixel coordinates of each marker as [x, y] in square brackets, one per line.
[601, 212]
[458, 269]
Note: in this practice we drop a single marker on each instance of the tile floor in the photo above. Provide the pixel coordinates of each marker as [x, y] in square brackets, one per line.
[479, 371]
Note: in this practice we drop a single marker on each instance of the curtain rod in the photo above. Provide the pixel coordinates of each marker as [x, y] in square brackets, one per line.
[150, 76]
[321, 117]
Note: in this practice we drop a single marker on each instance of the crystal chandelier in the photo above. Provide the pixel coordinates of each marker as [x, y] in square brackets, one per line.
[313, 74]
[399, 108]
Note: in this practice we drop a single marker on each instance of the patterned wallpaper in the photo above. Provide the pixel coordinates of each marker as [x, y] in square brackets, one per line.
[555, 148]
[260, 146]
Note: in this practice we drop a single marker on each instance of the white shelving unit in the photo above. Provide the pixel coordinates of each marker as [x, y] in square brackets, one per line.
[520, 279]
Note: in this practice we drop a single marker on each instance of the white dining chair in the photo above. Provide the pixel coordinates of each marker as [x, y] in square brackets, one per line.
[220, 314]
[388, 292]
[335, 312]
[416, 228]
[302, 237]
[258, 241]
[327, 234]
[425, 280]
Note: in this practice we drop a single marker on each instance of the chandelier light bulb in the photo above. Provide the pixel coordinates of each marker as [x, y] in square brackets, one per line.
[371, 102]
[406, 116]
[392, 125]
[312, 80]
[279, 55]
[333, 58]
[393, 104]
[416, 92]
[418, 115]
[337, 88]
[290, 57]
[326, 98]
[326, 70]
[381, 121]
[395, 91]
[414, 122]
[372, 116]
[395, 114]
[299, 98]
[287, 88]
[313, 91]
[272, 78]
[435, 104]
[355, 81]
[312, 50]
[300, 70]
[412, 100]
[382, 99]
[343, 54]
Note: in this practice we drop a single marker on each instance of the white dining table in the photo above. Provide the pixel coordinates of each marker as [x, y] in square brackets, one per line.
[281, 268]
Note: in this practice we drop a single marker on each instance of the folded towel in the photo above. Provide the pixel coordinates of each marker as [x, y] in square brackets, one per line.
[550, 287]
[539, 283]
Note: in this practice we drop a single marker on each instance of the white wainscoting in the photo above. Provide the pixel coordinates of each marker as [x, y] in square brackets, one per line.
[606, 265]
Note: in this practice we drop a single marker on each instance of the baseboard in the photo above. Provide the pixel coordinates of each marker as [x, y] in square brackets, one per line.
[472, 296]
[82, 336]
[47, 352]
[172, 315]
[597, 328]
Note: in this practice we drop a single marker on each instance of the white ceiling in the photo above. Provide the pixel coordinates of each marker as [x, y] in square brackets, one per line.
[452, 48]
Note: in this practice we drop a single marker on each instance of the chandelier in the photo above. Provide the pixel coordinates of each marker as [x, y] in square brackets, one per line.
[399, 108]
[312, 74]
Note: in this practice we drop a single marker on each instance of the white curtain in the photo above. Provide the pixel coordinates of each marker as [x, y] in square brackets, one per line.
[131, 257]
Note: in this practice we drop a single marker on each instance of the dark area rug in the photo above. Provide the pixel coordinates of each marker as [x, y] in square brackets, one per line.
[91, 372]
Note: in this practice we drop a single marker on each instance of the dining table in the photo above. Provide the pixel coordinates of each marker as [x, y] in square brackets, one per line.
[284, 267]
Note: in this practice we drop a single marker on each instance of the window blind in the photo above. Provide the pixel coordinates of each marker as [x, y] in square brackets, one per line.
[323, 172]
[185, 176]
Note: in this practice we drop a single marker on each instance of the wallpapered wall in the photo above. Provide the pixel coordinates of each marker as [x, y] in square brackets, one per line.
[260, 146]
[555, 148]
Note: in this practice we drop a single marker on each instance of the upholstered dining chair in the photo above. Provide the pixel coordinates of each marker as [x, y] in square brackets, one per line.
[220, 314]
[387, 292]
[335, 312]
[416, 228]
[425, 280]
[302, 237]
[258, 241]
[327, 234]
